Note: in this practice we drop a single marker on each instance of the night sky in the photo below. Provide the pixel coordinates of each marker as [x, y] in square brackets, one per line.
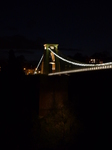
[83, 25]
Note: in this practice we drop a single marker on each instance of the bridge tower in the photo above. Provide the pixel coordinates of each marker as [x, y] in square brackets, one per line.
[50, 62]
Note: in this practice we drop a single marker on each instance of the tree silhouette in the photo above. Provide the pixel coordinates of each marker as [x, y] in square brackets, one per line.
[14, 67]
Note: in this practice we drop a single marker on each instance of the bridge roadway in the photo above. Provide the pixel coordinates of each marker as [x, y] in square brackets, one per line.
[82, 70]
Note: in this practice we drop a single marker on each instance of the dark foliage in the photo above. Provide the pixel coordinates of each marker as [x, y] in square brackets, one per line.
[84, 121]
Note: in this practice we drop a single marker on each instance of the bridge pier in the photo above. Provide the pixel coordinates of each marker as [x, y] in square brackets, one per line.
[53, 93]
[50, 63]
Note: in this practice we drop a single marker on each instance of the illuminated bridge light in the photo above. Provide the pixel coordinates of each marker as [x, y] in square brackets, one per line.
[71, 62]
[107, 66]
[78, 64]
[35, 72]
[85, 67]
[38, 64]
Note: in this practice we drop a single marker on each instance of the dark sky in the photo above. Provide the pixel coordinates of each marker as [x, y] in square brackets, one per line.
[80, 24]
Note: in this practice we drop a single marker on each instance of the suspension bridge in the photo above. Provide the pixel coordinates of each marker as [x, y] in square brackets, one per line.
[53, 62]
